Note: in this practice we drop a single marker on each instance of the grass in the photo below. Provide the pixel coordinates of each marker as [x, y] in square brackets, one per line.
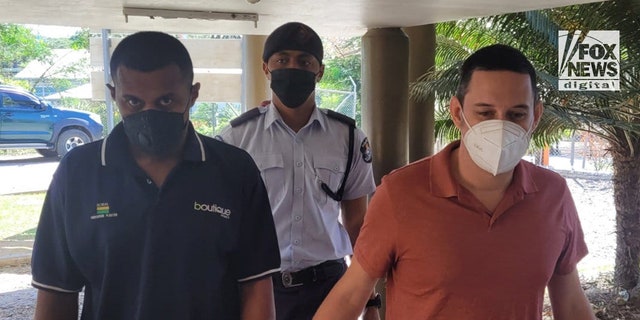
[19, 214]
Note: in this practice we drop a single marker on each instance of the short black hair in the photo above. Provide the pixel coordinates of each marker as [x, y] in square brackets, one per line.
[497, 57]
[151, 50]
[293, 36]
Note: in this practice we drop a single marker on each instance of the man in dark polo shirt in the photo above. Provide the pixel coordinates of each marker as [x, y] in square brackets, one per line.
[155, 221]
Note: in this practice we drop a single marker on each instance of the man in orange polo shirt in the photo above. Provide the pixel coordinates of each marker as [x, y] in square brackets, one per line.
[473, 232]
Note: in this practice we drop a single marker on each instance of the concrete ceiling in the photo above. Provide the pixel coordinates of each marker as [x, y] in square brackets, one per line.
[328, 17]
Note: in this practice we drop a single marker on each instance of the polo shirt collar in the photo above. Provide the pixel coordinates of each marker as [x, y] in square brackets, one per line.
[115, 151]
[442, 182]
[523, 176]
[444, 185]
[272, 115]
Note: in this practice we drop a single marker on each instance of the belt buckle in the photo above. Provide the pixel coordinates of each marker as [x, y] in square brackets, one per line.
[287, 280]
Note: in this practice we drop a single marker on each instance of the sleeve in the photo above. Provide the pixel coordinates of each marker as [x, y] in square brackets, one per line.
[376, 245]
[575, 247]
[360, 181]
[52, 266]
[258, 254]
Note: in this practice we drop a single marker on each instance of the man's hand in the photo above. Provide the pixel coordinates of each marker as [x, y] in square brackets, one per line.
[257, 299]
[349, 296]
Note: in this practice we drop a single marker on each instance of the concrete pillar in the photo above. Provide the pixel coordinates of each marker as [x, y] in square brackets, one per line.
[106, 58]
[385, 55]
[255, 86]
[385, 74]
[422, 52]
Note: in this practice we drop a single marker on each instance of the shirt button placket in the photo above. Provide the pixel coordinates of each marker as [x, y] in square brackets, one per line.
[298, 195]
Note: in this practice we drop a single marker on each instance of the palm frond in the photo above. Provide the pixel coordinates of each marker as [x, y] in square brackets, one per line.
[613, 115]
[443, 83]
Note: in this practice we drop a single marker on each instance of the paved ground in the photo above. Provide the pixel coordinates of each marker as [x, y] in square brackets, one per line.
[17, 297]
[26, 174]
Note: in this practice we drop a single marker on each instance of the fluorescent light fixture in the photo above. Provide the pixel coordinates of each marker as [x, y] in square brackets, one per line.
[189, 14]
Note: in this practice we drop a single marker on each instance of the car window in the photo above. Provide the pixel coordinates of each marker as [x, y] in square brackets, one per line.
[19, 101]
[6, 101]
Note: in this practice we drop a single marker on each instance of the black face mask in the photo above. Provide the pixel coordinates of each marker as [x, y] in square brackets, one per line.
[157, 133]
[293, 86]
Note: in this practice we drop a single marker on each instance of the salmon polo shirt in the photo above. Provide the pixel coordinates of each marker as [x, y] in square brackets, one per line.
[446, 256]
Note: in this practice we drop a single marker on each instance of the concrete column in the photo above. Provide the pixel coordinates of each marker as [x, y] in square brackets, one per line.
[422, 52]
[106, 58]
[255, 86]
[385, 74]
[385, 55]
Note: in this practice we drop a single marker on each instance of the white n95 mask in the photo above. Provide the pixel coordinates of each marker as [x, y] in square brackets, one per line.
[496, 146]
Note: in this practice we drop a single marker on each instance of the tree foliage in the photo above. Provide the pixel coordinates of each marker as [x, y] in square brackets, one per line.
[209, 118]
[80, 40]
[19, 46]
[342, 70]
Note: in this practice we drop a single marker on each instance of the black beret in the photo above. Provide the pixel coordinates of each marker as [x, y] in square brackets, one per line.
[293, 36]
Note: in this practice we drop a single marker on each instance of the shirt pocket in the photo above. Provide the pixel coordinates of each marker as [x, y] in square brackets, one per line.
[329, 170]
[271, 168]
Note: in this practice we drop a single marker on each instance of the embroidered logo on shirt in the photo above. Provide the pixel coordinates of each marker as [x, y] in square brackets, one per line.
[365, 149]
[213, 208]
[103, 211]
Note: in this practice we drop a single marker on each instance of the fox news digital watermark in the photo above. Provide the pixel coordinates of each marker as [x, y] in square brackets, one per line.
[589, 61]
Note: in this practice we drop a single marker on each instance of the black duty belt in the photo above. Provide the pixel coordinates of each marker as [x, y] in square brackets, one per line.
[316, 273]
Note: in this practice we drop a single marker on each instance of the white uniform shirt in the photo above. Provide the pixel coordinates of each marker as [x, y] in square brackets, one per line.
[293, 165]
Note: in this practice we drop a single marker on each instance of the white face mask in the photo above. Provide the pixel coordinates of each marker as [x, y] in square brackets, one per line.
[496, 146]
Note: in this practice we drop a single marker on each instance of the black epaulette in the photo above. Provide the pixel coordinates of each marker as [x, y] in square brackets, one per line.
[341, 117]
[245, 117]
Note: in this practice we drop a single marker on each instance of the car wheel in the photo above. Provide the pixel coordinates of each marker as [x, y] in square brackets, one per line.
[70, 139]
[47, 153]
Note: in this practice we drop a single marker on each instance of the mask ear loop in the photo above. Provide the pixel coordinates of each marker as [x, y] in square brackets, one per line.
[187, 108]
[465, 119]
[531, 129]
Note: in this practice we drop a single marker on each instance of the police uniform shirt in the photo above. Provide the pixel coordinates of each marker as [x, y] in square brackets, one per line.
[293, 165]
[143, 252]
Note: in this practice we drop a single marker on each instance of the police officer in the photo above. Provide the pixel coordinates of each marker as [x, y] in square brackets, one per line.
[315, 163]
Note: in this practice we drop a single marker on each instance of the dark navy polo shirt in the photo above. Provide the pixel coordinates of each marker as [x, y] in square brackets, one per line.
[143, 252]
